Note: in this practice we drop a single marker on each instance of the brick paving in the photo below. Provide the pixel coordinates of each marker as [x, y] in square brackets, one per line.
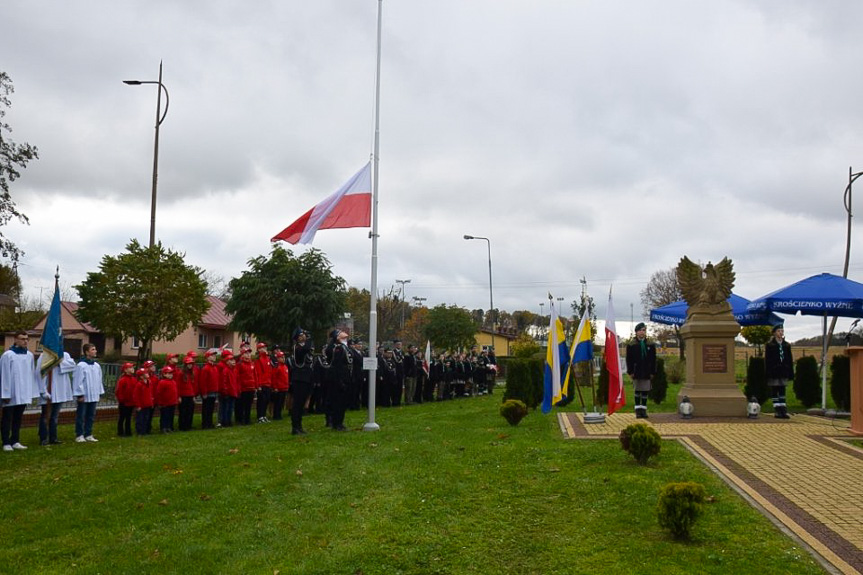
[800, 472]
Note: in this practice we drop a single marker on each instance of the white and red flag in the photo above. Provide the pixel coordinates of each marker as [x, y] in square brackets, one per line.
[349, 207]
[427, 358]
[616, 395]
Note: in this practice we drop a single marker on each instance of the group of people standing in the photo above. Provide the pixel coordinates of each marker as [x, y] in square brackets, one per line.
[22, 380]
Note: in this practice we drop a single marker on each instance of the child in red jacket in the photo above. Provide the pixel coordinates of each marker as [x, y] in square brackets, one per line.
[229, 389]
[124, 391]
[208, 387]
[167, 399]
[187, 388]
[144, 402]
[281, 383]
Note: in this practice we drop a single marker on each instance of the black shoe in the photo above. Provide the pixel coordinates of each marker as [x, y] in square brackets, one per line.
[55, 442]
[298, 432]
[340, 428]
[44, 442]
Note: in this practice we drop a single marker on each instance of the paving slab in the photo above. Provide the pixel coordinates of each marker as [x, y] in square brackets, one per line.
[802, 473]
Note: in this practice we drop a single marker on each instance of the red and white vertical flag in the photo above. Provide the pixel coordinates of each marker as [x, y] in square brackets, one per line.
[348, 207]
[616, 395]
[427, 358]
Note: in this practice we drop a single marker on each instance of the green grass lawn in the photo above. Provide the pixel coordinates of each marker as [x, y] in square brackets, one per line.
[443, 488]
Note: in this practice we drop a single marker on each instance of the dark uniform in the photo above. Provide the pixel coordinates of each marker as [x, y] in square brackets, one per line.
[641, 367]
[301, 379]
[779, 366]
[341, 374]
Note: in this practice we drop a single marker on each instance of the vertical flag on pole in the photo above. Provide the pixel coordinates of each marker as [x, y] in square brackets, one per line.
[52, 333]
[427, 358]
[556, 360]
[616, 395]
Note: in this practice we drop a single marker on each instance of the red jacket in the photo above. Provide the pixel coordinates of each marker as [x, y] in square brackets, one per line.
[187, 382]
[228, 384]
[143, 395]
[281, 377]
[154, 383]
[246, 376]
[124, 391]
[208, 379]
[264, 370]
[166, 393]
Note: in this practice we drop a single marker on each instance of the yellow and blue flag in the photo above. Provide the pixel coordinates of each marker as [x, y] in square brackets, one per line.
[556, 361]
[582, 344]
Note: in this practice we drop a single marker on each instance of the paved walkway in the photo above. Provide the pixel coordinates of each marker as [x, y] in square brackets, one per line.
[802, 473]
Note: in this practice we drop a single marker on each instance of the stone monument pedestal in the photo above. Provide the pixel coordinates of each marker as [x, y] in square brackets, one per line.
[708, 337]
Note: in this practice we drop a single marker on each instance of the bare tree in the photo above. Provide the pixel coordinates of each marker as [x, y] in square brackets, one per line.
[663, 289]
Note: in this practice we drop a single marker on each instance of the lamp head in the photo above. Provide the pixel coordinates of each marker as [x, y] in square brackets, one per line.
[467, 237]
[132, 82]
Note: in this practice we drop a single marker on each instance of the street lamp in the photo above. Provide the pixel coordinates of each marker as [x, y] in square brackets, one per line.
[403, 282]
[490, 292]
[160, 117]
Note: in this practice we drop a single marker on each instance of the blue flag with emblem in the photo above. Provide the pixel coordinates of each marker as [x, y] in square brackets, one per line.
[52, 334]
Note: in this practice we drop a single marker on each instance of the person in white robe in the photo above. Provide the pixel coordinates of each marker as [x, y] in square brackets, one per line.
[87, 388]
[55, 388]
[18, 387]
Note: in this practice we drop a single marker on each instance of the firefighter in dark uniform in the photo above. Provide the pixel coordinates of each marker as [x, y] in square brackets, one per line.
[341, 374]
[301, 378]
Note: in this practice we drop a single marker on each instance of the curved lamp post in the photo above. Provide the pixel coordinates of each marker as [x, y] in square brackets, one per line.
[490, 292]
[160, 117]
[403, 282]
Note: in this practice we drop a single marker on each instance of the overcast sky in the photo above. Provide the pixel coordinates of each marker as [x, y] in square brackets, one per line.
[602, 140]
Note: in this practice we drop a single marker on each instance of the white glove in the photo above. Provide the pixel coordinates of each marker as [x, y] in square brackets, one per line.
[46, 396]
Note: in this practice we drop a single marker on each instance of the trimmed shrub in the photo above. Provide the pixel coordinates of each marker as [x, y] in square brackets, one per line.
[513, 411]
[807, 381]
[676, 370]
[756, 380]
[602, 385]
[524, 381]
[840, 382]
[641, 441]
[659, 385]
[680, 504]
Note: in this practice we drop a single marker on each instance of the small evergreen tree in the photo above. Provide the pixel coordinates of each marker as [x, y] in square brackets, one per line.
[602, 384]
[756, 380]
[840, 381]
[807, 382]
[659, 385]
[522, 382]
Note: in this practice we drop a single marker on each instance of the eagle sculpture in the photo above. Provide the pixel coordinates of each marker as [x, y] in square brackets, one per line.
[708, 287]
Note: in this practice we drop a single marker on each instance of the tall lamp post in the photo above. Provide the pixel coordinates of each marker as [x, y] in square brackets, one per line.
[490, 291]
[403, 282]
[160, 117]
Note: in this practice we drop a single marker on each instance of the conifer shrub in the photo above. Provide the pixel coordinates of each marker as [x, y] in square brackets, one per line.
[756, 380]
[840, 382]
[524, 381]
[641, 441]
[680, 504]
[659, 385]
[513, 411]
[602, 384]
[807, 381]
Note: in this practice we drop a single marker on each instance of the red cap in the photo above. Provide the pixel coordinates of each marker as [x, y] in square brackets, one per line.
[142, 371]
[170, 356]
[188, 359]
[191, 353]
[127, 365]
[211, 351]
[279, 353]
[227, 354]
[148, 363]
[261, 344]
[167, 369]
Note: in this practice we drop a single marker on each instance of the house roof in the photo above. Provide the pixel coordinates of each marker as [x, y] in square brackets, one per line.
[216, 317]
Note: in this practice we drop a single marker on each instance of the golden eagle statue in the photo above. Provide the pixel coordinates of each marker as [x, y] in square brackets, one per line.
[706, 288]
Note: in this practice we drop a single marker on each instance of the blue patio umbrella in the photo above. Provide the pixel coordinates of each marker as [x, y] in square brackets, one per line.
[675, 313]
[825, 295]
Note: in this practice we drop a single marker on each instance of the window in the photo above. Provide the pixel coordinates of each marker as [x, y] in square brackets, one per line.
[136, 343]
[217, 341]
[202, 341]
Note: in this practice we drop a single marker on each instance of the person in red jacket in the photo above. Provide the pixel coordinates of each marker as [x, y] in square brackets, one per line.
[248, 380]
[229, 390]
[150, 366]
[263, 371]
[187, 389]
[144, 402]
[124, 391]
[281, 383]
[208, 387]
[167, 399]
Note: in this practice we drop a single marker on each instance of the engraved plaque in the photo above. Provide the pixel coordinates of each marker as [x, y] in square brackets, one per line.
[714, 358]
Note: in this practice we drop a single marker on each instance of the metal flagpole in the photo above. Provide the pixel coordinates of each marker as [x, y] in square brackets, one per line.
[371, 363]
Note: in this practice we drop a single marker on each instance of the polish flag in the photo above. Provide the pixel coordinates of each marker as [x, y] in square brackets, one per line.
[427, 358]
[616, 395]
[349, 207]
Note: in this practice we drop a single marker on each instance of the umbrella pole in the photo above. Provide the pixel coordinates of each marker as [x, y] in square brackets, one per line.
[824, 366]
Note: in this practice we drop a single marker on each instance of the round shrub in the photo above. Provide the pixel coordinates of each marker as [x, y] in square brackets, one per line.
[680, 504]
[807, 381]
[641, 441]
[513, 411]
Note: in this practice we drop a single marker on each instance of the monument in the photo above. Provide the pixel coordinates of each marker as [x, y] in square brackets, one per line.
[708, 336]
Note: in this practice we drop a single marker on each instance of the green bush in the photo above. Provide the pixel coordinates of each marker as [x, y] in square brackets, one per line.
[659, 385]
[513, 411]
[602, 385]
[676, 370]
[680, 504]
[524, 381]
[840, 381]
[807, 381]
[756, 380]
[641, 441]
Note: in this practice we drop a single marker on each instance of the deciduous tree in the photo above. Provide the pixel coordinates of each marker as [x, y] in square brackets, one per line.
[13, 157]
[146, 293]
[281, 292]
[663, 289]
[450, 327]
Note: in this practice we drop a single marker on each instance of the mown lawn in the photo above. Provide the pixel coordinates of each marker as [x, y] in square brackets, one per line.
[443, 488]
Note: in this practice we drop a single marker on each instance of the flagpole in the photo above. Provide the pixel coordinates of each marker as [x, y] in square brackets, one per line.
[372, 360]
